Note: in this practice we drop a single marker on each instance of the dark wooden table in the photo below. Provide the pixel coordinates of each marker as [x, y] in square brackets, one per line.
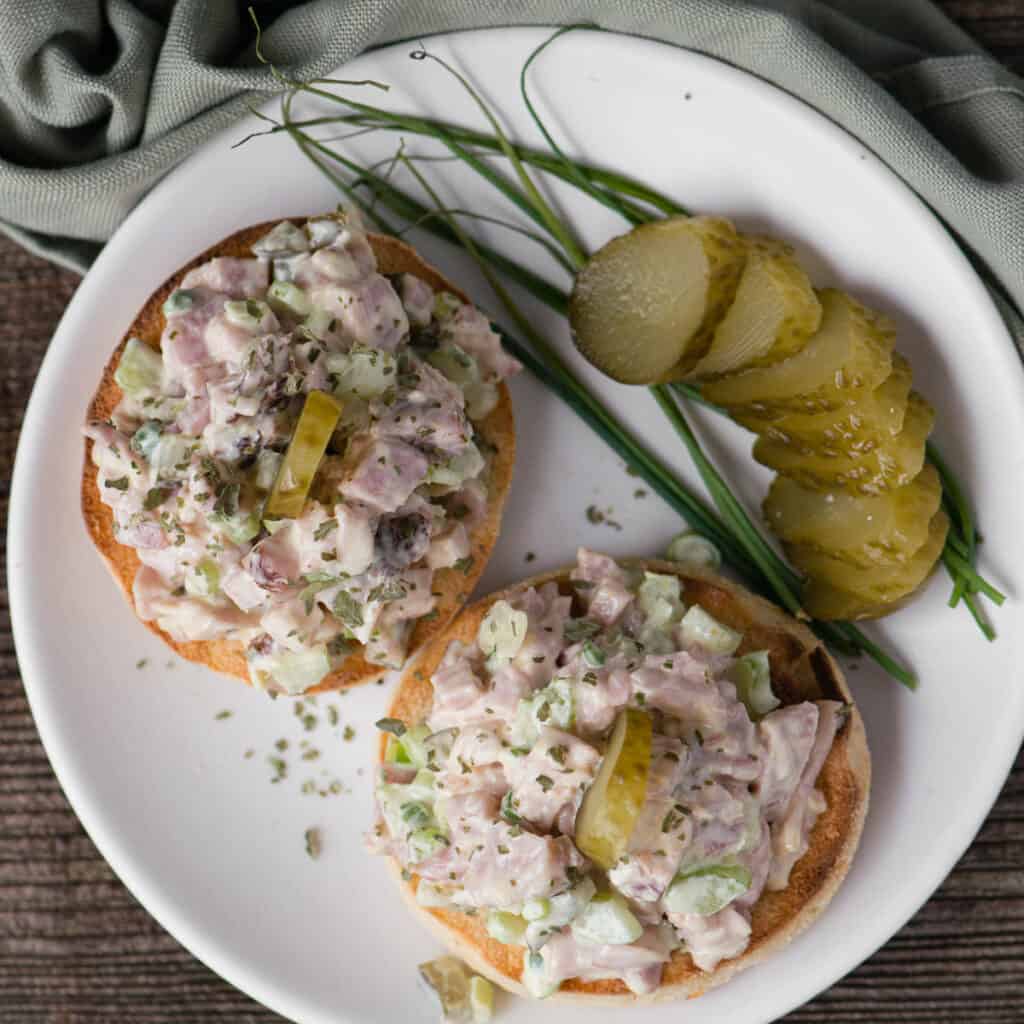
[76, 947]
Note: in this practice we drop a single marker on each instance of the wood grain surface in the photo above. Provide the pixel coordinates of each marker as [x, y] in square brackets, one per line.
[76, 947]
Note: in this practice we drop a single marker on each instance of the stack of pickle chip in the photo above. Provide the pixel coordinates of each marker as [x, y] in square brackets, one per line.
[812, 372]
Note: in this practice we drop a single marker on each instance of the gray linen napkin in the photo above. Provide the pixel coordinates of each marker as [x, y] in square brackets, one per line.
[100, 98]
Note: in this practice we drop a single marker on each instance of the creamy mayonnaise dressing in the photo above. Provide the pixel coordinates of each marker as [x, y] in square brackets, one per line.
[480, 801]
[190, 454]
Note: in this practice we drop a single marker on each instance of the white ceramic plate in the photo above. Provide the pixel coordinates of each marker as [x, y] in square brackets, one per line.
[200, 835]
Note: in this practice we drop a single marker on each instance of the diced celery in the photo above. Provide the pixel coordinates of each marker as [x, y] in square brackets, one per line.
[505, 927]
[691, 549]
[502, 631]
[425, 842]
[415, 814]
[752, 675]
[204, 580]
[569, 903]
[536, 909]
[707, 890]
[607, 920]
[458, 469]
[363, 372]
[562, 909]
[246, 313]
[140, 369]
[319, 323]
[462, 369]
[145, 439]
[395, 752]
[481, 999]
[285, 297]
[413, 746]
[551, 706]
[393, 798]
[536, 976]
[322, 231]
[481, 398]
[296, 671]
[179, 301]
[455, 363]
[239, 529]
[702, 629]
[171, 455]
[268, 463]
[659, 599]
[283, 237]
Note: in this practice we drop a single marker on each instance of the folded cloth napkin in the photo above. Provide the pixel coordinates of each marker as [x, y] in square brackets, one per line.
[100, 98]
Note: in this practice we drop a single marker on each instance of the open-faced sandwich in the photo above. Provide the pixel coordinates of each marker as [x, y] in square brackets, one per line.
[297, 458]
[621, 781]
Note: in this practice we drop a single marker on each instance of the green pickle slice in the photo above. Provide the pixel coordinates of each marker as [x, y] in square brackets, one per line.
[305, 450]
[612, 804]
[892, 464]
[838, 590]
[646, 304]
[849, 356]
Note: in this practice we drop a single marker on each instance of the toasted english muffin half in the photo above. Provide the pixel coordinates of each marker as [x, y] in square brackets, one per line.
[801, 669]
[452, 585]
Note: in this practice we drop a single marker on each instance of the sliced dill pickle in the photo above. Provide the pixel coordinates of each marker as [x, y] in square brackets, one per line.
[850, 355]
[647, 302]
[316, 423]
[892, 464]
[611, 805]
[864, 530]
[838, 590]
[774, 313]
[860, 427]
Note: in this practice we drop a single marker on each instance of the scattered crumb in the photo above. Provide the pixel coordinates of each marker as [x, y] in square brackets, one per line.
[309, 722]
[280, 767]
[332, 715]
[171, 664]
[598, 516]
[349, 733]
[281, 744]
[221, 715]
[639, 493]
[310, 755]
[142, 663]
[530, 556]
[248, 754]
[313, 844]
